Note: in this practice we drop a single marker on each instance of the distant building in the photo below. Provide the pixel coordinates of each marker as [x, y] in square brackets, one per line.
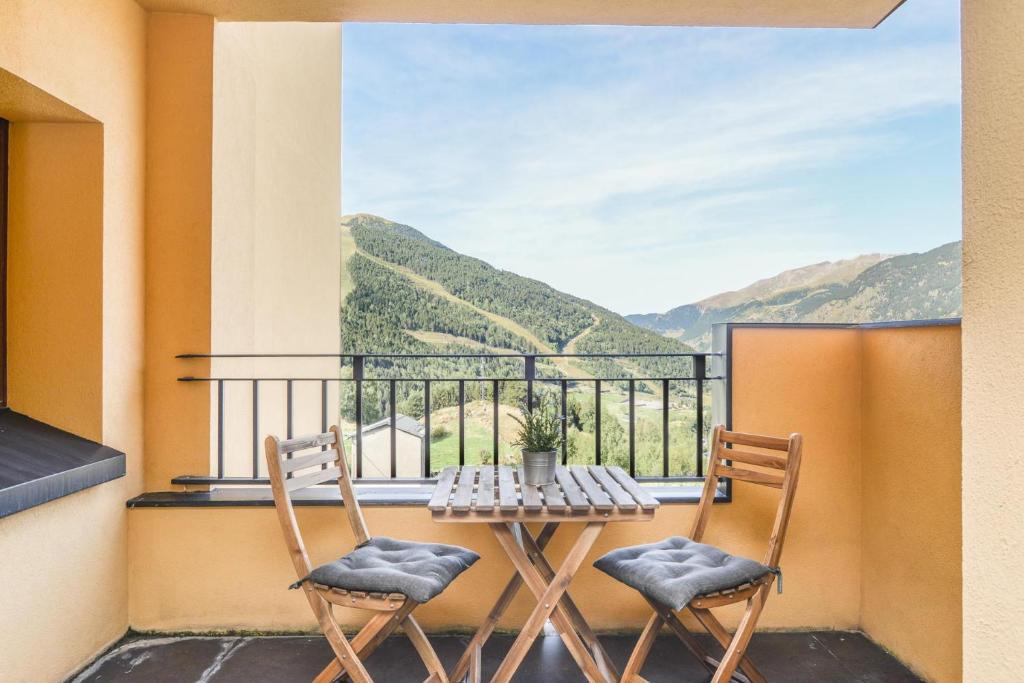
[409, 452]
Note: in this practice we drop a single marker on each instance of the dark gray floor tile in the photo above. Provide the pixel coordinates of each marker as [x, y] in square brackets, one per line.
[820, 657]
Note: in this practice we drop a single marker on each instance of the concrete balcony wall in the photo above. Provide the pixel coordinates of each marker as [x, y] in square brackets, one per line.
[845, 389]
[911, 572]
[72, 82]
[993, 377]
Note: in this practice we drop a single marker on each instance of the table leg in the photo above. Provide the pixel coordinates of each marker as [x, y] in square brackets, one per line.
[536, 554]
[504, 600]
[549, 596]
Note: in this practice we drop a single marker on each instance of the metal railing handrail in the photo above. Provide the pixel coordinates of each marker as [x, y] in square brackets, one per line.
[358, 377]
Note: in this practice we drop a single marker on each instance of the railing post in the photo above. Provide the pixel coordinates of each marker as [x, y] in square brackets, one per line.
[426, 427]
[323, 416]
[255, 428]
[494, 392]
[462, 422]
[632, 428]
[664, 428]
[357, 376]
[220, 429]
[290, 420]
[393, 410]
[565, 422]
[700, 372]
[530, 368]
[597, 422]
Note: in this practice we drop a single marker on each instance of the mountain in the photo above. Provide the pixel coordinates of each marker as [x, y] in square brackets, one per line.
[406, 293]
[869, 288]
[403, 292]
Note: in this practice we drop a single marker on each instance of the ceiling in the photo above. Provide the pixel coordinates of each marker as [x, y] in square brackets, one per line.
[777, 13]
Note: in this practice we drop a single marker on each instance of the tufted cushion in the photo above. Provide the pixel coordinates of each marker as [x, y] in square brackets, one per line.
[417, 570]
[676, 570]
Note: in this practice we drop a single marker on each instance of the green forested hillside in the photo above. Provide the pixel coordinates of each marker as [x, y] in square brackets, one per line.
[904, 287]
[484, 304]
[406, 293]
[554, 316]
[384, 304]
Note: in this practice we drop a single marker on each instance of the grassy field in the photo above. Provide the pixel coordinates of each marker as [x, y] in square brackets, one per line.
[479, 425]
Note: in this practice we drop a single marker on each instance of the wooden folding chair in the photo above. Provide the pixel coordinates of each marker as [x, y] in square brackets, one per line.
[292, 471]
[762, 467]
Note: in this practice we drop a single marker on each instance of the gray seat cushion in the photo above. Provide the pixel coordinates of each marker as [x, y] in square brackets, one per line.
[676, 570]
[385, 565]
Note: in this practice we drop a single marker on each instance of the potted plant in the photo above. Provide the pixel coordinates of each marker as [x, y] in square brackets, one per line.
[540, 437]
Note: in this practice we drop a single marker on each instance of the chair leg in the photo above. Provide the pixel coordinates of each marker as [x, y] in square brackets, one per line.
[424, 649]
[734, 653]
[369, 638]
[346, 656]
[684, 636]
[631, 673]
[718, 632]
[475, 665]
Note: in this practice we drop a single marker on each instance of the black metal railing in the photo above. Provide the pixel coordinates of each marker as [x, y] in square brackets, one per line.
[357, 372]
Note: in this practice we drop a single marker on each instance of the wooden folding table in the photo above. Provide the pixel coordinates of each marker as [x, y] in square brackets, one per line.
[494, 495]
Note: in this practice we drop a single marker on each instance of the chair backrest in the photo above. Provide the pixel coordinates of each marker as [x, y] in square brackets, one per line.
[763, 466]
[302, 462]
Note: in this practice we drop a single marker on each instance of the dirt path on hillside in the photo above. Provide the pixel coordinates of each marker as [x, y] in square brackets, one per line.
[432, 287]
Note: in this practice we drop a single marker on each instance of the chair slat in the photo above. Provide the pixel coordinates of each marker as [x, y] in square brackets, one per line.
[301, 462]
[619, 496]
[443, 490]
[753, 477]
[485, 490]
[598, 498]
[750, 458]
[639, 493]
[305, 442]
[507, 497]
[756, 440]
[571, 490]
[463, 498]
[312, 479]
[531, 494]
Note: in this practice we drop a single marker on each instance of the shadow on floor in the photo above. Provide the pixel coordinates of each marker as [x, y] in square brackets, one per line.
[818, 657]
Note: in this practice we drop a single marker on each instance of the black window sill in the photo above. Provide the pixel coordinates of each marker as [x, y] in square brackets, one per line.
[40, 463]
[415, 495]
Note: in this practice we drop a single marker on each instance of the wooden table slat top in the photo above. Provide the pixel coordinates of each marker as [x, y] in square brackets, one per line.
[580, 493]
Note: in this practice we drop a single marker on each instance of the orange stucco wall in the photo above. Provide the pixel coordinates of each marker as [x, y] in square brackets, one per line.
[911, 571]
[808, 381]
[55, 270]
[76, 333]
[179, 200]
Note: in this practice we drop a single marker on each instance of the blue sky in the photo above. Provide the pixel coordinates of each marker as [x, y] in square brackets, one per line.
[644, 168]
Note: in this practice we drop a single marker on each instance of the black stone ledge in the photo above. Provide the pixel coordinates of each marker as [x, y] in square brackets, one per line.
[894, 324]
[40, 463]
[376, 496]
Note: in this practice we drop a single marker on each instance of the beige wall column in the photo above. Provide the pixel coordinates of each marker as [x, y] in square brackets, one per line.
[276, 204]
[993, 327]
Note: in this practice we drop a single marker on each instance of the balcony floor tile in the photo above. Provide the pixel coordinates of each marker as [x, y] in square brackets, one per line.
[815, 657]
